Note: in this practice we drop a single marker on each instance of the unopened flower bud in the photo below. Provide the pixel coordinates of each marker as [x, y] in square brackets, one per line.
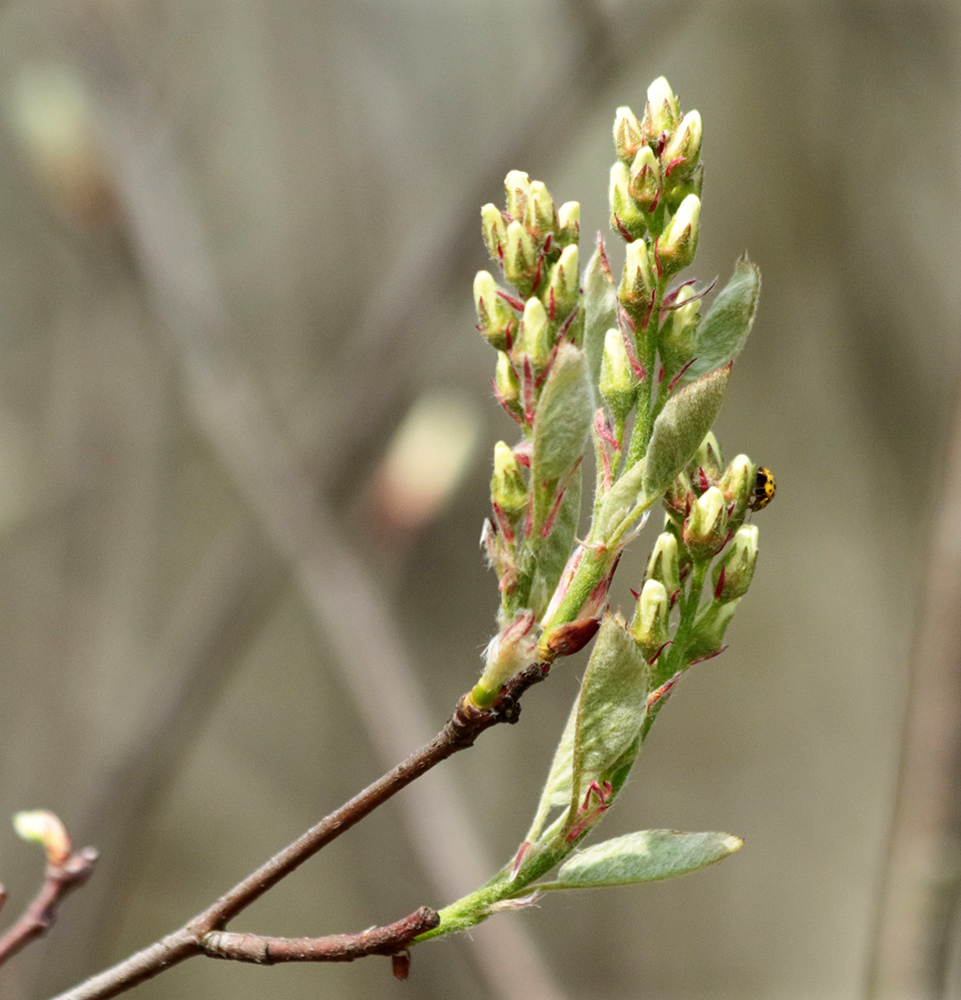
[539, 219]
[618, 383]
[681, 154]
[627, 217]
[508, 489]
[520, 258]
[734, 571]
[627, 135]
[506, 654]
[645, 179]
[637, 283]
[708, 458]
[650, 624]
[679, 333]
[662, 113]
[535, 337]
[494, 229]
[495, 318]
[664, 565]
[678, 244]
[562, 291]
[507, 385]
[708, 638]
[705, 528]
[738, 481]
[517, 186]
[569, 223]
[44, 828]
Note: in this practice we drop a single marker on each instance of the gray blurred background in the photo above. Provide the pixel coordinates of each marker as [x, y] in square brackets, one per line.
[237, 244]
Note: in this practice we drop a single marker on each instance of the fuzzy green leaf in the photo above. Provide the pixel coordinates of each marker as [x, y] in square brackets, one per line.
[621, 499]
[723, 331]
[600, 312]
[646, 856]
[562, 420]
[553, 554]
[612, 703]
[558, 787]
[680, 428]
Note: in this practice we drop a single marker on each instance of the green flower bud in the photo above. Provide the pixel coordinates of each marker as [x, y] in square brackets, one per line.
[737, 483]
[664, 565]
[495, 317]
[494, 229]
[708, 458]
[562, 292]
[540, 218]
[535, 338]
[517, 186]
[637, 282]
[662, 113]
[681, 154]
[507, 386]
[650, 625]
[709, 629]
[618, 383]
[508, 490]
[679, 188]
[678, 244]
[705, 528]
[569, 223]
[645, 179]
[627, 217]
[733, 573]
[506, 654]
[679, 333]
[520, 258]
[627, 135]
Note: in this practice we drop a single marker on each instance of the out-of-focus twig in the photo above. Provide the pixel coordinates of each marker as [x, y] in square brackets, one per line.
[921, 880]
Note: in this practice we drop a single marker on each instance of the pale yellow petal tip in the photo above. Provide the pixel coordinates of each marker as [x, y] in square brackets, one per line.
[733, 843]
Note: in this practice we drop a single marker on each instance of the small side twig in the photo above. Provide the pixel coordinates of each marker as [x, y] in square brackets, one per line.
[391, 939]
[197, 935]
[59, 881]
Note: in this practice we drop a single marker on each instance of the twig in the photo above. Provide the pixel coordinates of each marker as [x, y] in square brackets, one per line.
[459, 733]
[59, 881]
[388, 940]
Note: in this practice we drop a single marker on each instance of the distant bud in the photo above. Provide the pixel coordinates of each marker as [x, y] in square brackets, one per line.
[681, 154]
[520, 258]
[535, 337]
[645, 179]
[664, 565]
[627, 217]
[678, 244]
[679, 333]
[569, 223]
[506, 655]
[627, 135]
[494, 229]
[563, 290]
[708, 638]
[708, 458]
[508, 489]
[637, 283]
[737, 483]
[540, 219]
[517, 187]
[705, 529]
[618, 383]
[662, 113]
[44, 828]
[495, 317]
[650, 624]
[733, 573]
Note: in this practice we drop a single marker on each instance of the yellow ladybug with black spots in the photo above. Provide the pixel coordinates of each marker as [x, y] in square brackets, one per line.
[764, 489]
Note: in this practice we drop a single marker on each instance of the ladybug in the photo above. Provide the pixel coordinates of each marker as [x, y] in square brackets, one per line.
[764, 489]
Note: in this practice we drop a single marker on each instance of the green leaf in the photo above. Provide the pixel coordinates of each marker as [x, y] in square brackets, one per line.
[621, 499]
[553, 554]
[646, 856]
[562, 420]
[600, 312]
[723, 331]
[611, 706]
[680, 428]
[558, 787]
